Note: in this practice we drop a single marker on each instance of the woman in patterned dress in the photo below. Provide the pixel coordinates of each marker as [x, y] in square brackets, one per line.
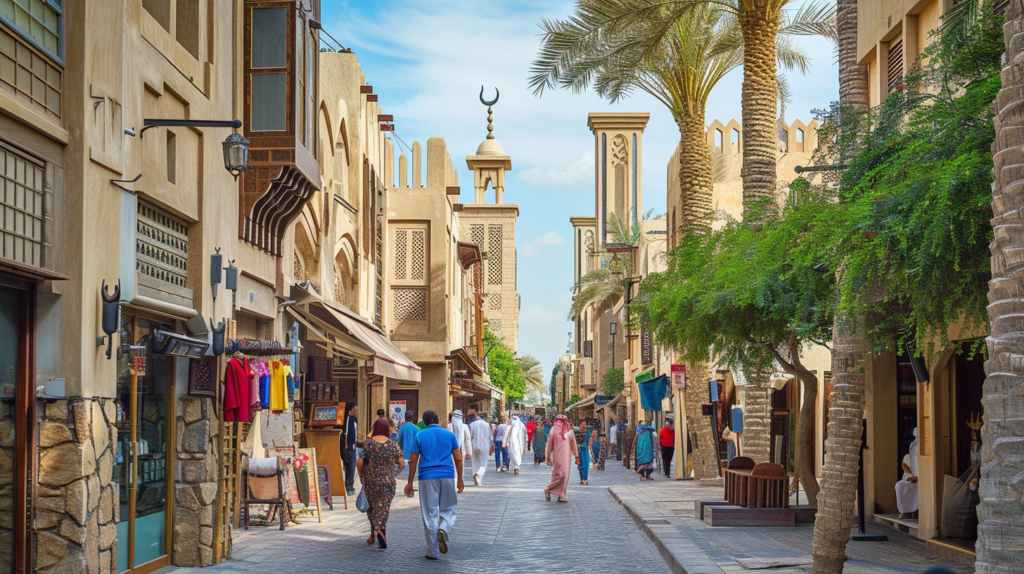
[381, 461]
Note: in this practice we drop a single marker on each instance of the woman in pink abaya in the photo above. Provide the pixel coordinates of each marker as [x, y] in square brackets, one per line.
[560, 453]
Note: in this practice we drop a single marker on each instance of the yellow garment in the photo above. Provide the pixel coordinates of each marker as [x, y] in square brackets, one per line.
[278, 387]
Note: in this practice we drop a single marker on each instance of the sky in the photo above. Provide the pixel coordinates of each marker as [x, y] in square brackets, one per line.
[427, 62]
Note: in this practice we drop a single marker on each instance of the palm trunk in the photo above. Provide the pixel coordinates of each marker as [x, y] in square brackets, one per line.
[1001, 512]
[695, 212]
[846, 405]
[757, 416]
[760, 138]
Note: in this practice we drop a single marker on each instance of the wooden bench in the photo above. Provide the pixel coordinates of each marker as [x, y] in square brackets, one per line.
[769, 486]
[737, 477]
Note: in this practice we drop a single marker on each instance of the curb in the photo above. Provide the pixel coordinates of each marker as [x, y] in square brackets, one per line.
[679, 552]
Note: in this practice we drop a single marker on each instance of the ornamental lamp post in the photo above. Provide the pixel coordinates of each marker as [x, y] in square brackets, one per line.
[236, 154]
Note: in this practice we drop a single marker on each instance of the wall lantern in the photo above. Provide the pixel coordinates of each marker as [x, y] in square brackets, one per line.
[173, 344]
[215, 263]
[236, 154]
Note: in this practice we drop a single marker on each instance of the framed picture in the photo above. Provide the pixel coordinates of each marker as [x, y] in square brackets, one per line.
[327, 414]
[323, 484]
[202, 376]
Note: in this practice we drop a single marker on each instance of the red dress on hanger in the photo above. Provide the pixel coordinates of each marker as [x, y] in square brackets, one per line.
[237, 390]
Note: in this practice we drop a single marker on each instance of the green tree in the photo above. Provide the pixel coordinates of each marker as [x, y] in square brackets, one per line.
[613, 382]
[532, 372]
[503, 367]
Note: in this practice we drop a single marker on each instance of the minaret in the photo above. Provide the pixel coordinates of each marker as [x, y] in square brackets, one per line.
[490, 162]
[618, 145]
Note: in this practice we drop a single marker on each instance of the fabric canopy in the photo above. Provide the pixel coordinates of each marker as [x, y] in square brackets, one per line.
[652, 392]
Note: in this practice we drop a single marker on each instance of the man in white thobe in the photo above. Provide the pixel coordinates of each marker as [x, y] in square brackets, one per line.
[515, 441]
[460, 430]
[482, 445]
[906, 489]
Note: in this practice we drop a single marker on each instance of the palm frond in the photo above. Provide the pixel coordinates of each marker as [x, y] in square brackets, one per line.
[721, 164]
[959, 19]
[812, 19]
[597, 287]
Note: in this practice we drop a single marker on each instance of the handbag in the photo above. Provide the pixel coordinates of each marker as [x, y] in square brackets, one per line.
[362, 505]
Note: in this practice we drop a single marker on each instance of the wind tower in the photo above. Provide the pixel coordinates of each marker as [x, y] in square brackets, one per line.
[492, 226]
[618, 147]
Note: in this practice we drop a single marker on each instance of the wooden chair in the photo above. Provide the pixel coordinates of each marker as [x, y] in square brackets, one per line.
[267, 490]
[768, 486]
[736, 483]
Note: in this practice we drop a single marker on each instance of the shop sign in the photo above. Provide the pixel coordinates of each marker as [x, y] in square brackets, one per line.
[588, 349]
[679, 376]
[397, 410]
[602, 399]
[645, 347]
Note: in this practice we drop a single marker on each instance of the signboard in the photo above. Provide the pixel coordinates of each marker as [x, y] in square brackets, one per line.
[588, 348]
[645, 347]
[397, 410]
[602, 399]
[679, 376]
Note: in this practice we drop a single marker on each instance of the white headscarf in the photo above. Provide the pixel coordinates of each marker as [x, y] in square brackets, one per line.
[457, 427]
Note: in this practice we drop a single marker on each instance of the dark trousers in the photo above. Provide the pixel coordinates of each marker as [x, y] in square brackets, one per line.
[667, 452]
[348, 461]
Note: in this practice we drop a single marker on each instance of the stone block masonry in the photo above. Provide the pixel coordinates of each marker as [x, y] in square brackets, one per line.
[195, 482]
[76, 502]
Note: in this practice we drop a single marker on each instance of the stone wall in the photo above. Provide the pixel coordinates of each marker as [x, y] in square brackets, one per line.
[76, 503]
[195, 482]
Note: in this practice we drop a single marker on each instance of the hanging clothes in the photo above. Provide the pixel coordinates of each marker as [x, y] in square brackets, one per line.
[290, 380]
[278, 387]
[236, 392]
[264, 373]
[254, 378]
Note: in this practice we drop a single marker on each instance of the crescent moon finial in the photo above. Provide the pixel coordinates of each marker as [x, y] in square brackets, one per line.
[497, 94]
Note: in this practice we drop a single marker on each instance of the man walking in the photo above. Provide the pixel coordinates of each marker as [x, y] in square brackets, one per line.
[500, 452]
[482, 446]
[515, 443]
[667, 439]
[407, 436]
[348, 453]
[531, 427]
[613, 437]
[436, 455]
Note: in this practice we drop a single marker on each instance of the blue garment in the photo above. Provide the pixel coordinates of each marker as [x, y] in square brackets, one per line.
[435, 445]
[500, 455]
[584, 464]
[644, 448]
[595, 448]
[265, 391]
[652, 392]
[407, 438]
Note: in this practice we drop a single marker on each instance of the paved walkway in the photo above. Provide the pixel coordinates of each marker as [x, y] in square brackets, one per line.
[503, 526]
[665, 512]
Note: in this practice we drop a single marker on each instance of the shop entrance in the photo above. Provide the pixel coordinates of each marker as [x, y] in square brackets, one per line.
[144, 468]
[412, 401]
[906, 409]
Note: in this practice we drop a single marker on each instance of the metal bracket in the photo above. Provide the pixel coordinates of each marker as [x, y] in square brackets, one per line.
[189, 124]
[115, 183]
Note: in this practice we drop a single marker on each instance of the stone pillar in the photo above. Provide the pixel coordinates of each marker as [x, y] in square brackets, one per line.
[77, 503]
[195, 482]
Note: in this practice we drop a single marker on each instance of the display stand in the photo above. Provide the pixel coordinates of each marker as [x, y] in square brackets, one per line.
[327, 444]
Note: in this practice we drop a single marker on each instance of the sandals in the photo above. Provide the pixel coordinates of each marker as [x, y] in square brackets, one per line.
[382, 542]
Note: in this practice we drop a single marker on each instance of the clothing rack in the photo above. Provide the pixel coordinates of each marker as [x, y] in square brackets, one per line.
[256, 347]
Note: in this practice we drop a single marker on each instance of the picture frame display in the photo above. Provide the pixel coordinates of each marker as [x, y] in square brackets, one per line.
[327, 414]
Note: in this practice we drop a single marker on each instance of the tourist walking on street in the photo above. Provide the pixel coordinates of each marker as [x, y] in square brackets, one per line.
[540, 444]
[613, 437]
[583, 454]
[602, 452]
[667, 439]
[407, 436]
[559, 453]
[460, 430]
[500, 452]
[531, 429]
[348, 452]
[437, 456]
[595, 448]
[380, 463]
[515, 442]
[644, 452]
[482, 446]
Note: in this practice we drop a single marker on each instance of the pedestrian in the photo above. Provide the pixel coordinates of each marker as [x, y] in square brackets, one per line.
[602, 452]
[531, 428]
[613, 437]
[595, 448]
[437, 456]
[547, 427]
[482, 446]
[583, 454]
[629, 437]
[348, 452]
[380, 463]
[667, 439]
[460, 430]
[540, 443]
[644, 453]
[500, 452]
[515, 442]
[407, 435]
[559, 453]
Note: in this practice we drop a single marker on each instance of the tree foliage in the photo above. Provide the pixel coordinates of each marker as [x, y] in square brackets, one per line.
[532, 372]
[613, 382]
[503, 367]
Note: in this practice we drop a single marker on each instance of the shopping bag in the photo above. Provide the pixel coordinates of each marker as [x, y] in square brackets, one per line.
[362, 505]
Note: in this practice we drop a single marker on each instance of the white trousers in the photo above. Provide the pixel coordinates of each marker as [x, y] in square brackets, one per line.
[478, 461]
[515, 458]
[438, 500]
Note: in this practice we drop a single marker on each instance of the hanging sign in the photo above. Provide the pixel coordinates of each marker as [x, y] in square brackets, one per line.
[397, 411]
[588, 349]
[679, 376]
[645, 347]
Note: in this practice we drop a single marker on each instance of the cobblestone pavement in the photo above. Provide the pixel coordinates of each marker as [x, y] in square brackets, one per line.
[503, 526]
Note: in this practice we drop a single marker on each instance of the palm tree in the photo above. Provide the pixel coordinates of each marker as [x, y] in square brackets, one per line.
[530, 367]
[846, 405]
[999, 513]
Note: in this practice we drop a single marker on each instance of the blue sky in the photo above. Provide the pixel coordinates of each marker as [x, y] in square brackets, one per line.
[427, 60]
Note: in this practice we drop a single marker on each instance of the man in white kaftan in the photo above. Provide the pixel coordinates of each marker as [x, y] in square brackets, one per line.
[482, 443]
[515, 441]
[460, 430]
[906, 489]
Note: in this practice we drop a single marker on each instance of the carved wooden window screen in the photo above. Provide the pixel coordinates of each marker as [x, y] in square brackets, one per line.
[895, 64]
[409, 304]
[410, 255]
[21, 209]
[494, 254]
[494, 301]
[339, 287]
[494, 326]
[161, 245]
[401, 254]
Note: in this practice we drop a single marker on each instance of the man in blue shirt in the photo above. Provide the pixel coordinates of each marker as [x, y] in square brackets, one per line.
[436, 454]
[407, 436]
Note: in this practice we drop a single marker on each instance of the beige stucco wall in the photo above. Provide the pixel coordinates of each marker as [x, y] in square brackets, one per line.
[880, 23]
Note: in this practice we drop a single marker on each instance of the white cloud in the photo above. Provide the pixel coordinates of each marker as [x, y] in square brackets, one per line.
[550, 238]
[536, 315]
[573, 175]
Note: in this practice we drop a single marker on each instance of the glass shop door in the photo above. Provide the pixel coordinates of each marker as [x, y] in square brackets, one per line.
[144, 468]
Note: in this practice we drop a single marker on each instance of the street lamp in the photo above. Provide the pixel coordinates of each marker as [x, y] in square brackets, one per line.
[236, 154]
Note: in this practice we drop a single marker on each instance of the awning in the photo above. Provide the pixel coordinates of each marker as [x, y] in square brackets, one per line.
[582, 402]
[386, 360]
[494, 390]
[338, 341]
[610, 403]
